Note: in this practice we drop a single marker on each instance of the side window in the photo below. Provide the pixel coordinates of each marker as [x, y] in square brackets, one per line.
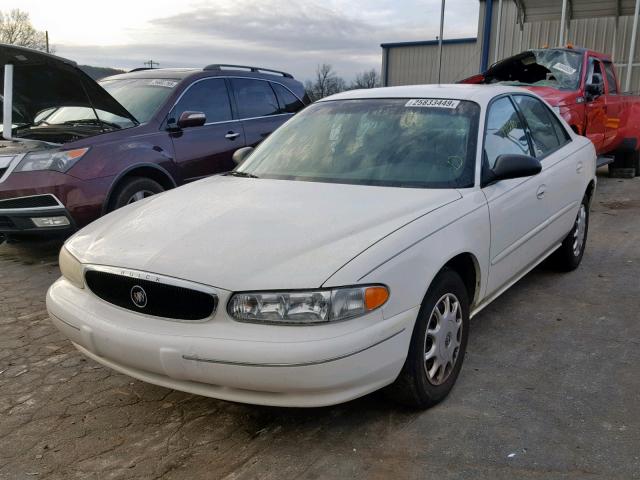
[538, 118]
[289, 103]
[611, 78]
[504, 132]
[208, 96]
[254, 98]
[594, 67]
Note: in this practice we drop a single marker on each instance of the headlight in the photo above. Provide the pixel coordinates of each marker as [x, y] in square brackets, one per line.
[71, 268]
[58, 160]
[306, 307]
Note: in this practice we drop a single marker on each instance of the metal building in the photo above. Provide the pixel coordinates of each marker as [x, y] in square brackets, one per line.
[516, 25]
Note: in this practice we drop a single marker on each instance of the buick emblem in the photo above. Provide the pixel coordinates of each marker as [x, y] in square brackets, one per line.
[139, 296]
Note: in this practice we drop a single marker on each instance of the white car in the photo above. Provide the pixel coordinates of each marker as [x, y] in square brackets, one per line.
[345, 254]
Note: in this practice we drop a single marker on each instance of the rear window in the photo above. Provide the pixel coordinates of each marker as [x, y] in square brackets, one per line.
[255, 98]
[289, 103]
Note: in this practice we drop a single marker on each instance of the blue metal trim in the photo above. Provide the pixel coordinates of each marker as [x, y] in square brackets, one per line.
[486, 35]
[451, 41]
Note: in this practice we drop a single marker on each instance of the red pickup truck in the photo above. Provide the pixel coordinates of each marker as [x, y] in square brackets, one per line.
[582, 86]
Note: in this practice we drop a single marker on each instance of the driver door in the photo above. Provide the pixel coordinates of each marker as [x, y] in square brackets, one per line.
[208, 149]
[515, 205]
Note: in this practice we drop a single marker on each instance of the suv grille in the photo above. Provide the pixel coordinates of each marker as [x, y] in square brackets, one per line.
[151, 298]
[6, 222]
[30, 202]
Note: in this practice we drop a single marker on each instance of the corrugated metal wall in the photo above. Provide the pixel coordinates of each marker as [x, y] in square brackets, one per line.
[411, 65]
[419, 64]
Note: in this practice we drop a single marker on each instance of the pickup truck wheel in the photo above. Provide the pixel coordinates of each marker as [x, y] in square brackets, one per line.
[569, 255]
[438, 344]
[133, 190]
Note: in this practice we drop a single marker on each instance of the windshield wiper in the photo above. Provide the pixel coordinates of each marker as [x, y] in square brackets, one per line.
[91, 121]
[235, 173]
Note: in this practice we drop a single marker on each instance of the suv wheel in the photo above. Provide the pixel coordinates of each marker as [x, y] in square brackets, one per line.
[133, 190]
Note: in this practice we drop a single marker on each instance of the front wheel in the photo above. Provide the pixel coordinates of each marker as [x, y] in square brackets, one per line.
[438, 344]
[133, 190]
[569, 255]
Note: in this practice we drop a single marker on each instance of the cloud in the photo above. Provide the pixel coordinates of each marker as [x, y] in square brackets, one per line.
[289, 35]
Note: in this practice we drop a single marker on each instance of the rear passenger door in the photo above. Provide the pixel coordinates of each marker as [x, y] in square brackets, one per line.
[561, 171]
[258, 108]
[208, 149]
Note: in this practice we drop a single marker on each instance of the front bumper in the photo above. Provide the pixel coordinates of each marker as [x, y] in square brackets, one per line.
[260, 364]
[24, 215]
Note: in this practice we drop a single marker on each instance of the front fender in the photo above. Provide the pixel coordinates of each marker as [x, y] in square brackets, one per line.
[408, 259]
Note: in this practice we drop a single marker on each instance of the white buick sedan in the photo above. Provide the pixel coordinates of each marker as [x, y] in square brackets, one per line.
[345, 254]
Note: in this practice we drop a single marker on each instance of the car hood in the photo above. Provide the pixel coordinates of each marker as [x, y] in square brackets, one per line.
[248, 234]
[42, 81]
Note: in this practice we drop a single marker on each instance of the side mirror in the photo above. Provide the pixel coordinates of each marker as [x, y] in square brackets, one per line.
[191, 119]
[241, 154]
[511, 166]
[596, 87]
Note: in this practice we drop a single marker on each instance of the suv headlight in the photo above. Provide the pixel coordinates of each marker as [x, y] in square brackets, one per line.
[71, 268]
[58, 160]
[306, 306]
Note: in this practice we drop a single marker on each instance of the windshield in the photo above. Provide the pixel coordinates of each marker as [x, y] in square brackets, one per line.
[140, 96]
[542, 68]
[428, 143]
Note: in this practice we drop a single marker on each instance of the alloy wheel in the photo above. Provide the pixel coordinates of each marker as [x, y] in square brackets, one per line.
[580, 230]
[442, 339]
[139, 195]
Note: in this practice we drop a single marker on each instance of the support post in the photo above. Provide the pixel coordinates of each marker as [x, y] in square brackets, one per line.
[563, 21]
[7, 102]
[632, 47]
[498, 27]
[440, 40]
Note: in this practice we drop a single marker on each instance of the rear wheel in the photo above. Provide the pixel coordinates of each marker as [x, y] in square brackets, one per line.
[569, 255]
[133, 190]
[438, 344]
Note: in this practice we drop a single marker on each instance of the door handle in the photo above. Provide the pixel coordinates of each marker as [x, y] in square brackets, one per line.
[579, 167]
[542, 189]
[232, 135]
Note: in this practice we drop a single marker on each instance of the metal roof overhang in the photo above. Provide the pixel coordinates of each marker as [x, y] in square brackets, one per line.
[540, 10]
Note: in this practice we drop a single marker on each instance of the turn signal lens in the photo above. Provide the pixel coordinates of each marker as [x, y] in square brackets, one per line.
[375, 297]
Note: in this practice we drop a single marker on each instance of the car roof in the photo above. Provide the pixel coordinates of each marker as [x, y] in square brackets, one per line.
[181, 73]
[477, 93]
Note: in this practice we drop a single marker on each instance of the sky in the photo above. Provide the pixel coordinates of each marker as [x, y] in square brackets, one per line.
[290, 35]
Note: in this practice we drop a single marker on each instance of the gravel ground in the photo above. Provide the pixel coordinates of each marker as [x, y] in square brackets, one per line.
[550, 389]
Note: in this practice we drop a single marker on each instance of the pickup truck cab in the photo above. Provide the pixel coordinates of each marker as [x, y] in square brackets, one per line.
[583, 87]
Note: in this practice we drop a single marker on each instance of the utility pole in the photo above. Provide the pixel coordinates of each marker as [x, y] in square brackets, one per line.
[46, 39]
[440, 40]
[151, 63]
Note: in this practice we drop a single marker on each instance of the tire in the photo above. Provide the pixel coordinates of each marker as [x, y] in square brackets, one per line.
[415, 386]
[635, 162]
[569, 255]
[134, 189]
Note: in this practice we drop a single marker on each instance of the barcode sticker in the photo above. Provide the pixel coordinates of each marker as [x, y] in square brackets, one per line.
[432, 102]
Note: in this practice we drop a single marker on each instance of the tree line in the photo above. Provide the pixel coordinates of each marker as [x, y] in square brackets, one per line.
[327, 82]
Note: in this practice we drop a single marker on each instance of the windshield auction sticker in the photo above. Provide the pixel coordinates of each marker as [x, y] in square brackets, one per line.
[160, 82]
[432, 102]
[564, 68]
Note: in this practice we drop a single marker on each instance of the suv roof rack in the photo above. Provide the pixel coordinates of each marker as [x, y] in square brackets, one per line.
[139, 69]
[220, 66]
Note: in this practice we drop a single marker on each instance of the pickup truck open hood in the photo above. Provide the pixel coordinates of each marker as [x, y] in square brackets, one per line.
[251, 234]
[42, 81]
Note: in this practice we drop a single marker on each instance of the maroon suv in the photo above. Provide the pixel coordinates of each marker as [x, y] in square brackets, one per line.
[73, 149]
